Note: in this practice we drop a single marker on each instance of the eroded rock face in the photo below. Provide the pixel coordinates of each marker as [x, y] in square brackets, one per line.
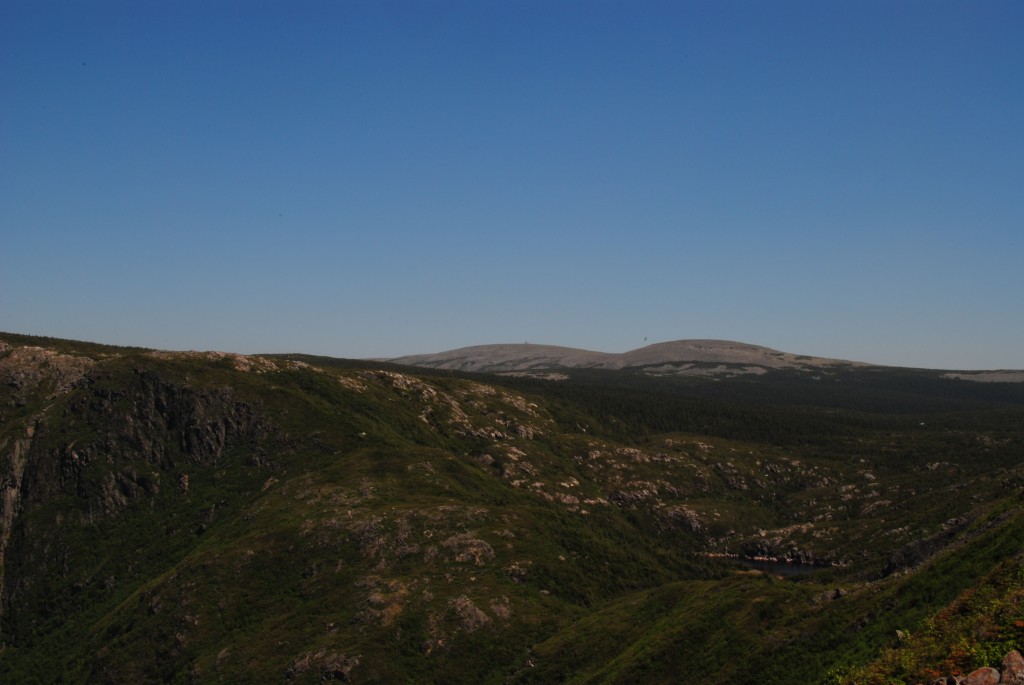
[103, 442]
[142, 430]
[27, 369]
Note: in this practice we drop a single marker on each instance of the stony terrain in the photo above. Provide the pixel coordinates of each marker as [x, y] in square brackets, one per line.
[214, 517]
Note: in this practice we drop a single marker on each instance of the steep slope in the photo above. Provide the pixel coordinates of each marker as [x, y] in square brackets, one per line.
[210, 517]
[752, 628]
[982, 627]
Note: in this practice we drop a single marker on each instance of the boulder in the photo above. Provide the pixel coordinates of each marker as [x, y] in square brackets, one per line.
[982, 676]
[1013, 668]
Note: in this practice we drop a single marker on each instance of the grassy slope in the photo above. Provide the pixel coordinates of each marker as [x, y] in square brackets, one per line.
[352, 519]
[754, 628]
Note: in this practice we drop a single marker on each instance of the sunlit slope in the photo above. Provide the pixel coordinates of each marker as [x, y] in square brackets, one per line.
[678, 357]
[209, 517]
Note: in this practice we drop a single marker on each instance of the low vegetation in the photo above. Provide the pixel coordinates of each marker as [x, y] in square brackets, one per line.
[207, 517]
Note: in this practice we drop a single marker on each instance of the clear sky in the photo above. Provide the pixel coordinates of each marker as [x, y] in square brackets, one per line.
[377, 178]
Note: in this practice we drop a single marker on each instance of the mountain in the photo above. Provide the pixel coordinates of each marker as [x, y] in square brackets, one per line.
[715, 358]
[681, 357]
[209, 517]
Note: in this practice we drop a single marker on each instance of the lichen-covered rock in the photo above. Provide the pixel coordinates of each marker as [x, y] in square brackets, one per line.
[471, 617]
[465, 548]
[1013, 668]
[982, 676]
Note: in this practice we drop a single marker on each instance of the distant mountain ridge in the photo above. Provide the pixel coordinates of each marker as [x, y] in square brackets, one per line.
[679, 357]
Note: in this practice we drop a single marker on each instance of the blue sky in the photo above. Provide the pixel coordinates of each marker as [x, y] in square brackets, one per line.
[380, 178]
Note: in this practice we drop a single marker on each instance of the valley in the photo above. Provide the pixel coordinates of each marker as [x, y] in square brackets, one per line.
[213, 517]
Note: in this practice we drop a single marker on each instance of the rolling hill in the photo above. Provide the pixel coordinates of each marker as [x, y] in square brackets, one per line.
[680, 357]
[210, 517]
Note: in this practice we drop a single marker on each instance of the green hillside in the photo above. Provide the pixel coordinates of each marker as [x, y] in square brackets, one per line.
[207, 517]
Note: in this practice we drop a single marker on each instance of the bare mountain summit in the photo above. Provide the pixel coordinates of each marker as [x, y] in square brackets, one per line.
[680, 357]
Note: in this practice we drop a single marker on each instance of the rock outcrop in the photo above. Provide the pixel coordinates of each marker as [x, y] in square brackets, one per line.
[1012, 673]
[1013, 668]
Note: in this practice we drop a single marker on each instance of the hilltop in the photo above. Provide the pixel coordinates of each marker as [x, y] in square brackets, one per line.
[711, 358]
[215, 517]
[680, 357]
